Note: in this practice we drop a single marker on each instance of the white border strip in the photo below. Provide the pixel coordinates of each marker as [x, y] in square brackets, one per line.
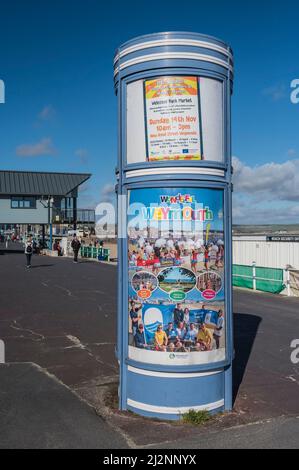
[174, 170]
[173, 42]
[172, 375]
[173, 55]
[193, 358]
[171, 410]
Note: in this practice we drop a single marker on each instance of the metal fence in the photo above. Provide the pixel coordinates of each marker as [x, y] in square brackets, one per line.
[259, 278]
[267, 279]
[102, 254]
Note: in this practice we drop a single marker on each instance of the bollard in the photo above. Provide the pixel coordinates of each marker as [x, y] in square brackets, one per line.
[2, 352]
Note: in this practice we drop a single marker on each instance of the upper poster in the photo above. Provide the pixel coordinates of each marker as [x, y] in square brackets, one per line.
[176, 291]
[173, 118]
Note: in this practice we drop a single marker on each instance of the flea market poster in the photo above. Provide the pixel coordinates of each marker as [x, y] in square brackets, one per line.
[176, 296]
[173, 118]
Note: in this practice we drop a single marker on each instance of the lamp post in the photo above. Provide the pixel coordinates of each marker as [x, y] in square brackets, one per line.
[50, 207]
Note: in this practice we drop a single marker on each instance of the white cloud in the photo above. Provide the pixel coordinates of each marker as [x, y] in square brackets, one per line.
[271, 181]
[83, 188]
[291, 152]
[108, 193]
[267, 193]
[82, 154]
[259, 214]
[90, 200]
[47, 113]
[276, 92]
[41, 148]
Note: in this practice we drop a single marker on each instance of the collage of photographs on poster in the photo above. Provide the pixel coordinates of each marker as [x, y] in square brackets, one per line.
[176, 251]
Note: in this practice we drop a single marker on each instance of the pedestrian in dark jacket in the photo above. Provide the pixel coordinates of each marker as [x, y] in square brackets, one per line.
[76, 247]
[28, 251]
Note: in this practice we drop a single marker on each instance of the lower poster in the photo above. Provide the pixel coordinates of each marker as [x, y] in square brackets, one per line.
[176, 303]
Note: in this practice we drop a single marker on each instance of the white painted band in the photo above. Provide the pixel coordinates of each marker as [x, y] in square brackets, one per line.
[172, 375]
[174, 410]
[173, 42]
[173, 55]
[174, 170]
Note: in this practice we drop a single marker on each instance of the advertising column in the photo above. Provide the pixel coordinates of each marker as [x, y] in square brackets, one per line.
[174, 287]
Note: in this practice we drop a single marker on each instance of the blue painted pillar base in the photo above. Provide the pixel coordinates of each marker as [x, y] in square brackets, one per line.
[167, 395]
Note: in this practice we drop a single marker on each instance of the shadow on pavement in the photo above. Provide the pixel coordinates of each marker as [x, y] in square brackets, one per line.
[245, 331]
[4, 251]
[41, 266]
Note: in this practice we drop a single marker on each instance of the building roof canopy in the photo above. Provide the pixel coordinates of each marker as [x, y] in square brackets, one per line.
[23, 183]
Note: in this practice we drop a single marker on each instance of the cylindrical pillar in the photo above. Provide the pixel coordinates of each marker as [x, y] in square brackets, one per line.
[174, 340]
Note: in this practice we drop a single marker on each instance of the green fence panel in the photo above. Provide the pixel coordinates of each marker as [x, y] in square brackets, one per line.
[104, 254]
[95, 253]
[242, 276]
[269, 280]
[84, 251]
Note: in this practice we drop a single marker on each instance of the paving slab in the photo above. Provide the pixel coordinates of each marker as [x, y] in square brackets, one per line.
[39, 412]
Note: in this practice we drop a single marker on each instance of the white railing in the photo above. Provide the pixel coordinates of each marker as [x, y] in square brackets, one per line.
[290, 279]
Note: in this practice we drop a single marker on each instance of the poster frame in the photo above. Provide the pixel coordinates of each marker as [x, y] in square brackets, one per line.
[197, 183]
[170, 161]
[201, 73]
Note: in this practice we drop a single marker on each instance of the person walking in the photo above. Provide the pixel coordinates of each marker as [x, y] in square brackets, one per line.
[7, 241]
[76, 247]
[28, 251]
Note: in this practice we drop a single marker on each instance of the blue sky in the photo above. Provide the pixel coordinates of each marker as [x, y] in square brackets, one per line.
[60, 112]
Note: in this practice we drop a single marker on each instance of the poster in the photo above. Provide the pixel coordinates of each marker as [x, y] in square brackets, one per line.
[173, 118]
[176, 300]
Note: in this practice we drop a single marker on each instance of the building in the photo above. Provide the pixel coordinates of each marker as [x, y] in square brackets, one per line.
[271, 246]
[41, 199]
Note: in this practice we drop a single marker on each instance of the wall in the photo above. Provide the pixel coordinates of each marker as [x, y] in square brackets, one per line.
[22, 216]
[267, 254]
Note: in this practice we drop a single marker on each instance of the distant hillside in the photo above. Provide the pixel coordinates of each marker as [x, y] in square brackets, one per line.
[266, 229]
